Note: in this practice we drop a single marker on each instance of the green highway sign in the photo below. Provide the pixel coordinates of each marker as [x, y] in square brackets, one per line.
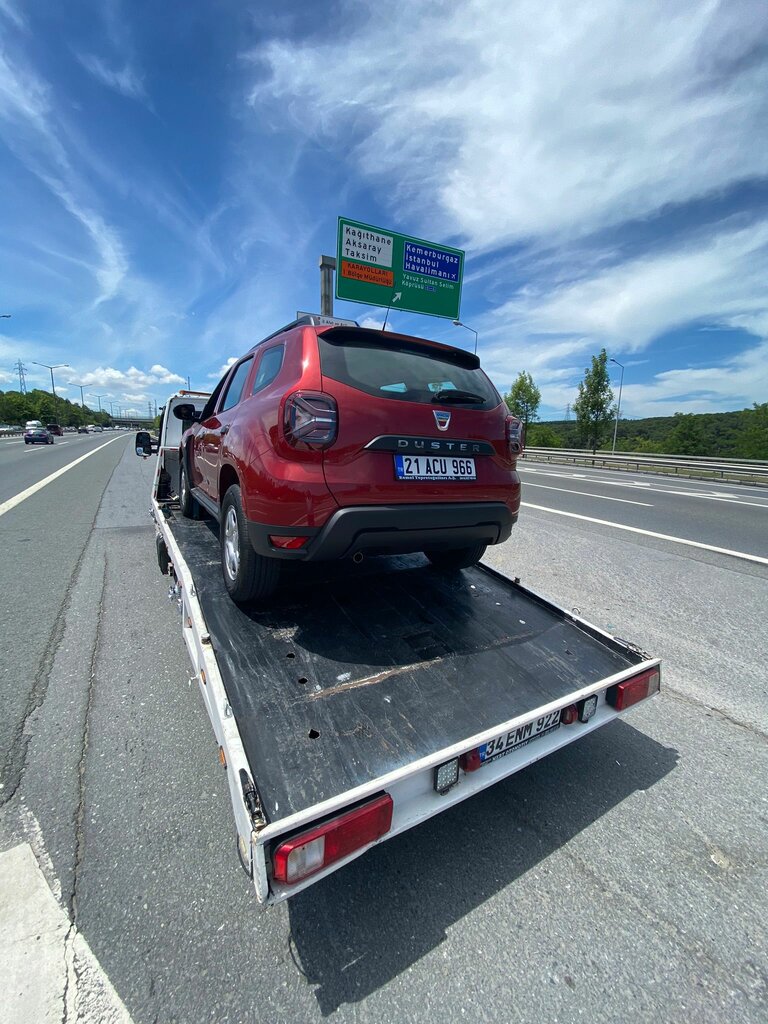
[382, 268]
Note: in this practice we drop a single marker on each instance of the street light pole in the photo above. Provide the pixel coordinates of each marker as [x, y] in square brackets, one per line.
[458, 323]
[51, 368]
[81, 386]
[99, 398]
[618, 407]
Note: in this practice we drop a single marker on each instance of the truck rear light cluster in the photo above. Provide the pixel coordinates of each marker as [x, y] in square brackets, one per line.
[304, 854]
[311, 418]
[632, 691]
[515, 435]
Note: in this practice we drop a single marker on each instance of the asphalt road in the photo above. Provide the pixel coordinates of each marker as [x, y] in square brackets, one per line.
[623, 878]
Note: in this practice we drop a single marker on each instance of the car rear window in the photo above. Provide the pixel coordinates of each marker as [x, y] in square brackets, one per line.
[403, 372]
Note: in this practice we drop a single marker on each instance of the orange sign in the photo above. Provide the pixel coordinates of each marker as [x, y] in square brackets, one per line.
[371, 275]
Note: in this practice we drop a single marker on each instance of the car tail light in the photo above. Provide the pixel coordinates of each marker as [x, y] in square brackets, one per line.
[311, 418]
[632, 691]
[515, 435]
[288, 542]
[310, 851]
[470, 761]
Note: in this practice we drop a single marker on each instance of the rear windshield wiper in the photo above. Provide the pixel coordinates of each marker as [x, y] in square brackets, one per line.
[455, 395]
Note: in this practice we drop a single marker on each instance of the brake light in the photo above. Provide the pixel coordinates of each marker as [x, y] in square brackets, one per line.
[310, 418]
[632, 691]
[515, 435]
[310, 851]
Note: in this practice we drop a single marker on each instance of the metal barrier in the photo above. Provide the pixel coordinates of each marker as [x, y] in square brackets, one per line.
[700, 467]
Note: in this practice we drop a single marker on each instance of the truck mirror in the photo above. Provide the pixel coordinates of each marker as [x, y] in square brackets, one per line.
[143, 443]
[186, 411]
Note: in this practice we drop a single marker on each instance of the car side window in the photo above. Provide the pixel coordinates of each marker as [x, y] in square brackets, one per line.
[269, 367]
[210, 406]
[236, 384]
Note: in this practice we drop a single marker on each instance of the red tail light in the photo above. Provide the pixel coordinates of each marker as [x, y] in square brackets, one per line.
[515, 436]
[310, 851]
[291, 543]
[311, 418]
[632, 691]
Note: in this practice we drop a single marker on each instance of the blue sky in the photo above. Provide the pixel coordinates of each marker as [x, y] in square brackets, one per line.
[171, 172]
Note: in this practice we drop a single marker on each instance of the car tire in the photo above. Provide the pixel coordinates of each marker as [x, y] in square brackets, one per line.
[248, 576]
[26, 442]
[457, 558]
[189, 507]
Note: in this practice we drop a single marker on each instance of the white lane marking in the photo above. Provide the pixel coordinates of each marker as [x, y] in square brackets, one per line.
[50, 970]
[650, 533]
[23, 495]
[63, 442]
[714, 496]
[586, 494]
[579, 476]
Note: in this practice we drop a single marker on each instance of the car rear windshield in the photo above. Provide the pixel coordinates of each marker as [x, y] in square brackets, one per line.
[404, 371]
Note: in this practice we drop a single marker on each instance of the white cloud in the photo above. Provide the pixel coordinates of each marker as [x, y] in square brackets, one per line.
[376, 322]
[717, 279]
[108, 377]
[125, 80]
[218, 374]
[536, 117]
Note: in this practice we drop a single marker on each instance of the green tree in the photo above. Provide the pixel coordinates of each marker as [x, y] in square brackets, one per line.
[687, 436]
[524, 398]
[752, 443]
[541, 435]
[594, 406]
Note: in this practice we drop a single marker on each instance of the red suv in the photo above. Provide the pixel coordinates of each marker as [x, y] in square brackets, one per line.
[326, 442]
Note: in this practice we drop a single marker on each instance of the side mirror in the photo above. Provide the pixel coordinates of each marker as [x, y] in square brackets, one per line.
[186, 412]
[143, 443]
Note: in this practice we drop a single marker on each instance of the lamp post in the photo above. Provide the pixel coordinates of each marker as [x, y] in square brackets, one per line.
[618, 407]
[55, 366]
[458, 323]
[81, 386]
[99, 398]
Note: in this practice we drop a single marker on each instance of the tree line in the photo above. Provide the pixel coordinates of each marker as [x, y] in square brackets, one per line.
[740, 435]
[16, 408]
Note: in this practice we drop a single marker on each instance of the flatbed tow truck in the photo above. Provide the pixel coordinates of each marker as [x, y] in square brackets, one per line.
[363, 699]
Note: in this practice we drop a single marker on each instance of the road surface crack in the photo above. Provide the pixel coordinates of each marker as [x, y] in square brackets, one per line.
[81, 767]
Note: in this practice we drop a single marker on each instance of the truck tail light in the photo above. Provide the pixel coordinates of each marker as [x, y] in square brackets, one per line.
[310, 418]
[632, 691]
[302, 855]
[515, 436]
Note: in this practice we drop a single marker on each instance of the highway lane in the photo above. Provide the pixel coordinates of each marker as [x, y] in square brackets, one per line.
[709, 513]
[22, 465]
[621, 879]
[42, 540]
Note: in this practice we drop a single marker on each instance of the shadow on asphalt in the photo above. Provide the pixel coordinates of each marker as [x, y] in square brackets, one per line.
[372, 920]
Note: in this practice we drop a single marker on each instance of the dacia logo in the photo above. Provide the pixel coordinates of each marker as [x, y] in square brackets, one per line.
[442, 419]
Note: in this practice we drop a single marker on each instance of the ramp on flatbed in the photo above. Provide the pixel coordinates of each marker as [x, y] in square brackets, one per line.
[351, 672]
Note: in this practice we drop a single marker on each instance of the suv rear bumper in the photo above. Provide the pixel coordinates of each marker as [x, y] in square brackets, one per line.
[391, 529]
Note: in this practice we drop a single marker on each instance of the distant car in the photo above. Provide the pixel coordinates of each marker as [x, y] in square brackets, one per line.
[82, 430]
[96, 429]
[38, 435]
[56, 429]
[31, 424]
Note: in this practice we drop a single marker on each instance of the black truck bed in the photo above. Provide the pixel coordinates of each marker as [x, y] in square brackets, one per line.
[354, 671]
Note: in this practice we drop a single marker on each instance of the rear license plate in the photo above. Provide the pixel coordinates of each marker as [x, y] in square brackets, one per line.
[520, 737]
[429, 467]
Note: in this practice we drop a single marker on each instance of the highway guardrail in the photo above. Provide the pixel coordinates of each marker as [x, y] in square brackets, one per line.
[695, 466]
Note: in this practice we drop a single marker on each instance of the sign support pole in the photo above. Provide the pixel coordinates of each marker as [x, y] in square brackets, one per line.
[327, 266]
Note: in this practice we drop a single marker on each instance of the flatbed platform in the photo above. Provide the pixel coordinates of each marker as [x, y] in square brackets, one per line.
[354, 671]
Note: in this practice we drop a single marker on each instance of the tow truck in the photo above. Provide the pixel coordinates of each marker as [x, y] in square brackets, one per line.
[365, 698]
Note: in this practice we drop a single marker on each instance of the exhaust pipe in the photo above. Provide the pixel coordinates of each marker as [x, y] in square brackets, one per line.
[357, 557]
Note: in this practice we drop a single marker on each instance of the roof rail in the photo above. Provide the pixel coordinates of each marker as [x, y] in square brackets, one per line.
[310, 320]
